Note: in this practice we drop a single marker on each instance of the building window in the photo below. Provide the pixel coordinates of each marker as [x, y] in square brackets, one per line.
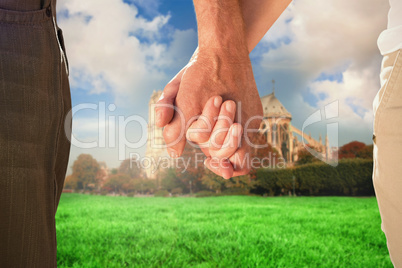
[274, 134]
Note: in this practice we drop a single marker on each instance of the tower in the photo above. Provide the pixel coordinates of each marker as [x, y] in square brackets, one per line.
[155, 142]
[276, 125]
[327, 148]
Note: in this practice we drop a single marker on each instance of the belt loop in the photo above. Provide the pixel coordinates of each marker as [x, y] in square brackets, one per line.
[52, 8]
[49, 11]
[45, 3]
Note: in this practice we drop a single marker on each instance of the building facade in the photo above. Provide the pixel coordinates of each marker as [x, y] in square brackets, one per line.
[282, 135]
[155, 142]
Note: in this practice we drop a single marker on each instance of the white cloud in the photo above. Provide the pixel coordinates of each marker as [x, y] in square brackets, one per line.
[332, 37]
[111, 48]
[149, 6]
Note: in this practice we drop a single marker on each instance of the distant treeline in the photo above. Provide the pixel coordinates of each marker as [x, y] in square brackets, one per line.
[351, 177]
[309, 177]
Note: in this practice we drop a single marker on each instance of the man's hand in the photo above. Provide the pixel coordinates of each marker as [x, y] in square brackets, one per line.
[207, 75]
[221, 66]
[259, 16]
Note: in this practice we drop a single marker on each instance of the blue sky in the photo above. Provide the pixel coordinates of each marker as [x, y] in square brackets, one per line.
[120, 51]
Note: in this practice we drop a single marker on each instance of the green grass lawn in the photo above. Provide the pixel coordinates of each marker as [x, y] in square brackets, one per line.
[229, 231]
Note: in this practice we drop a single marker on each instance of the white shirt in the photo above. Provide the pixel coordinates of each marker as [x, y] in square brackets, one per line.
[390, 40]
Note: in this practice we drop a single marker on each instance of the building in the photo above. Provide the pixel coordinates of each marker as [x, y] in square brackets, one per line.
[103, 173]
[281, 135]
[155, 142]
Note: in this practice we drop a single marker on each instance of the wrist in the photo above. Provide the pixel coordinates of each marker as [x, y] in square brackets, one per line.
[221, 27]
[219, 58]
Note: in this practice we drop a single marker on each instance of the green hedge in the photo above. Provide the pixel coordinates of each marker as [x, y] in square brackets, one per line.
[352, 177]
[162, 193]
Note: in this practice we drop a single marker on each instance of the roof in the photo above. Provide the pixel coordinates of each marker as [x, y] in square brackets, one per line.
[273, 107]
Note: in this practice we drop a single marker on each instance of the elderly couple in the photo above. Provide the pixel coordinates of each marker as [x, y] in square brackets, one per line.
[35, 99]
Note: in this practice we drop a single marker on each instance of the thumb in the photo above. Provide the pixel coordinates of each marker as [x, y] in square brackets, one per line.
[165, 105]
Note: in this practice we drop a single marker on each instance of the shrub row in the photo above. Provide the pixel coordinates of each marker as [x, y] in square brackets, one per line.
[351, 177]
[229, 191]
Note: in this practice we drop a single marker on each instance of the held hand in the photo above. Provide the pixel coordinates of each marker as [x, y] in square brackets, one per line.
[217, 135]
[208, 74]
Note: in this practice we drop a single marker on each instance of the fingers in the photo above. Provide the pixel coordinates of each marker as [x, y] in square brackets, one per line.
[223, 136]
[231, 143]
[220, 167]
[241, 160]
[165, 105]
[225, 120]
[205, 150]
[200, 130]
[174, 134]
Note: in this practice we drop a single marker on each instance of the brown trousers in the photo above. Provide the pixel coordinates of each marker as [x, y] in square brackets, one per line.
[34, 148]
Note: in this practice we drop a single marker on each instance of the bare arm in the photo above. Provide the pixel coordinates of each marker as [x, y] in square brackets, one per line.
[259, 16]
[221, 26]
[227, 31]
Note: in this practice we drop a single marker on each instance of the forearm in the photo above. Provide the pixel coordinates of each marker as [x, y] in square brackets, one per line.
[259, 16]
[221, 27]
[234, 23]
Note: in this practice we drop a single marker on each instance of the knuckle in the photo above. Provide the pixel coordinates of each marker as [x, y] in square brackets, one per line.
[169, 133]
[197, 137]
[223, 153]
[201, 137]
[169, 89]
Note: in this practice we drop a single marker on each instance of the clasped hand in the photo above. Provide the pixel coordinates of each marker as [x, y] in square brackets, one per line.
[212, 102]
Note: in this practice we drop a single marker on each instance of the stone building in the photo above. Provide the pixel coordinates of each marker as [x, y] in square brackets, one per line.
[155, 142]
[103, 173]
[280, 134]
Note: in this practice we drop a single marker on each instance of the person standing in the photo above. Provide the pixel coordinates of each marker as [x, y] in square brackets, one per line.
[387, 138]
[34, 148]
[35, 100]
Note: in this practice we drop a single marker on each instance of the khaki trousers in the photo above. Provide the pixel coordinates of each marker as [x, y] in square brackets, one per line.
[387, 173]
[34, 148]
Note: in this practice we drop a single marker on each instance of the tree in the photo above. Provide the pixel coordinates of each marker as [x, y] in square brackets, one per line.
[241, 184]
[170, 179]
[116, 182]
[213, 181]
[85, 170]
[70, 182]
[366, 152]
[190, 174]
[305, 157]
[130, 168]
[356, 149]
[145, 186]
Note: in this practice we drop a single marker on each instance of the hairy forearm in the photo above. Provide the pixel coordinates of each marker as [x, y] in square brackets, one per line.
[233, 24]
[221, 26]
[259, 16]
